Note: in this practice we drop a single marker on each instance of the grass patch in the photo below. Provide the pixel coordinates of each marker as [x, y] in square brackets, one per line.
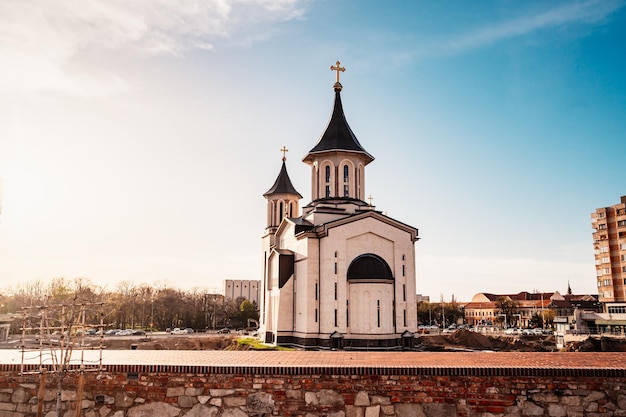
[255, 344]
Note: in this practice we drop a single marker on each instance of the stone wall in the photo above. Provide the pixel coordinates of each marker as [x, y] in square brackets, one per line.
[194, 391]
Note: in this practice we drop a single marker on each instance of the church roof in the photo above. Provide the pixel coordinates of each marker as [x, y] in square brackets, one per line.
[338, 136]
[283, 184]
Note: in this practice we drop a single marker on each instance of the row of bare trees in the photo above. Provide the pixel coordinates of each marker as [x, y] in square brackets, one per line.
[131, 306]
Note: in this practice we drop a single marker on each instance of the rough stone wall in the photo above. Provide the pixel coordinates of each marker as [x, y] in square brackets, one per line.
[159, 394]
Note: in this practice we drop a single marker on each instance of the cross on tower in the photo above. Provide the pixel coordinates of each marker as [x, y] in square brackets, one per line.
[370, 198]
[337, 68]
[284, 150]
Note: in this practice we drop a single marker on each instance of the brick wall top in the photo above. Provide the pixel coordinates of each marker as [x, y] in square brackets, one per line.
[592, 364]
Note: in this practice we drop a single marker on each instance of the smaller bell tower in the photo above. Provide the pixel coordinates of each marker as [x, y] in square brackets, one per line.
[282, 198]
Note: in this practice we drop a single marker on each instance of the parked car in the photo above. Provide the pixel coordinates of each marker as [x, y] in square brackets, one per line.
[178, 330]
[224, 331]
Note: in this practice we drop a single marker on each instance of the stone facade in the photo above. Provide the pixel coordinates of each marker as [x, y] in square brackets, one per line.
[183, 391]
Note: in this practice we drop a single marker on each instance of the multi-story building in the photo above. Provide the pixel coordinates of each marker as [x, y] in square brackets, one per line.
[609, 244]
[242, 288]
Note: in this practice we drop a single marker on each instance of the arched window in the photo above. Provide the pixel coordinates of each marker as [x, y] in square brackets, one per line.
[327, 173]
[345, 173]
[369, 266]
[281, 209]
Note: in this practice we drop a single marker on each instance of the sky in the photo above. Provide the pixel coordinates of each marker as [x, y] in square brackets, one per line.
[137, 138]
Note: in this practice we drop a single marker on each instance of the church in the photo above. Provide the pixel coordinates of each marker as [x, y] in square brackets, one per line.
[340, 274]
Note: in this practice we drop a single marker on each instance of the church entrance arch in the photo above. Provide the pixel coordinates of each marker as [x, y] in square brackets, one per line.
[371, 295]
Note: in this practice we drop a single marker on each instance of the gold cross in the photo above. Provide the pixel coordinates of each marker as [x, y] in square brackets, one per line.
[337, 68]
[370, 198]
[284, 150]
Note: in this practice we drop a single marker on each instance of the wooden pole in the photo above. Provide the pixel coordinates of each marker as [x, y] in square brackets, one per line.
[42, 392]
[79, 393]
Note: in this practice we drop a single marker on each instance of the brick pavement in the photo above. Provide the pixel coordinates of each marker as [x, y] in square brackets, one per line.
[341, 359]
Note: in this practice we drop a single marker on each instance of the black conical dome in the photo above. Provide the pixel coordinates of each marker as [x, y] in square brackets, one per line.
[338, 136]
[283, 184]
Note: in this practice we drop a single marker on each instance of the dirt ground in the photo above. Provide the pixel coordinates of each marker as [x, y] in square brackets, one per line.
[458, 341]
[467, 340]
[171, 343]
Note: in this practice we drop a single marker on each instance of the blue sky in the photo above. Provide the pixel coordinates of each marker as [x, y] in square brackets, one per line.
[137, 138]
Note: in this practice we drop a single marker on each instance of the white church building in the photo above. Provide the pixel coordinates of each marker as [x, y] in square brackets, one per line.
[340, 274]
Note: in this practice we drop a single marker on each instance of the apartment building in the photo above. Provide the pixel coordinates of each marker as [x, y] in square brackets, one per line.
[609, 244]
[242, 288]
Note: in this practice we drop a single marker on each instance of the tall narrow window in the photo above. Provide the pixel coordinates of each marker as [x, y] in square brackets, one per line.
[404, 316]
[345, 173]
[335, 290]
[403, 292]
[335, 317]
[347, 313]
[281, 209]
[327, 173]
[378, 311]
[316, 291]
[327, 193]
[316, 315]
[346, 190]
[335, 268]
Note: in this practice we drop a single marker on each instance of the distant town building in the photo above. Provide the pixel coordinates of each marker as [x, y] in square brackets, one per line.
[248, 289]
[419, 298]
[485, 308]
[341, 274]
[609, 248]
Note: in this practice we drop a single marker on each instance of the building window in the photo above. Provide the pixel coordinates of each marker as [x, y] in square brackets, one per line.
[606, 248]
[346, 190]
[282, 212]
[617, 309]
[605, 260]
[327, 173]
[402, 270]
[601, 226]
[347, 313]
[404, 317]
[623, 246]
[378, 311]
[316, 315]
[327, 192]
[335, 290]
[335, 268]
[621, 222]
[316, 291]
[345, 173]
[335, 317]
[403, 292]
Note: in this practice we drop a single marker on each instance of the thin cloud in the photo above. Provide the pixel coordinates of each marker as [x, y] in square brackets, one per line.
[40, 39]
[588, 12]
